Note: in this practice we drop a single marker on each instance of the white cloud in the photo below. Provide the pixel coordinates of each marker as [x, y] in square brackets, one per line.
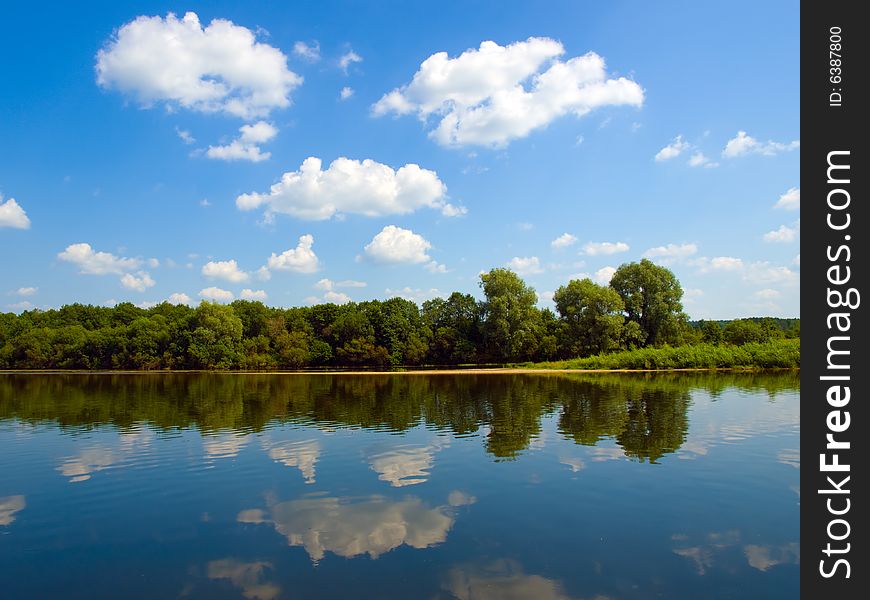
[249, 294]
[435, 267]
[604, 248]
[309, 53]
[417, 295]
[350, 186]
[347, 59]
[763, 273]
[327, 285]
[395, 245]
[185, 136]
[767, 293]
[26, 291]
[791, 200]
[345, 93]
[699, 160]
[23, 305]
[782, 235]
[215, 294]
[797, 260]
[494, 94]
[604, 275]
[219, 68]
[300, 259]
[564, 240]
[139, 282]
[718, 263]
[153, 263]
[672, 150]
[90, 262]
[247, 145]
[227, 270]
[336, 297]
[525, 265]
[693, 293]
[743, 144]
[12, 215]
[179, 298]
[671, 253]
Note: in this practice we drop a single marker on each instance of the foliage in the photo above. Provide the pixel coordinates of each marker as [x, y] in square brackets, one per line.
[638, 317]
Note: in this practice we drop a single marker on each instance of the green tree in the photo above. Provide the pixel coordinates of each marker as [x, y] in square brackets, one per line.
[592, 319]
[652, 297]
[455, 324]
[512, 323]
[214, 341]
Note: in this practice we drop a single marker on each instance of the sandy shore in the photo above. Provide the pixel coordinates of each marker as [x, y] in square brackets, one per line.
[474, 371]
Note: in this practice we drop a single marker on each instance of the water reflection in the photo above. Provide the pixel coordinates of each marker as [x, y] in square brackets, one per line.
[718, 548]
[10, 505]
[403, 465]
[646, 416]
[246, 576]
[501, 580]
[351, 527]
[301, 454]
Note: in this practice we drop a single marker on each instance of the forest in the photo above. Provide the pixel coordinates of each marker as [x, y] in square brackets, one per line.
[640, 313]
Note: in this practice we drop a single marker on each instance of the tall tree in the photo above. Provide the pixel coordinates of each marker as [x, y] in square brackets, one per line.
[592, 318]
[512, 323]
[652, 296]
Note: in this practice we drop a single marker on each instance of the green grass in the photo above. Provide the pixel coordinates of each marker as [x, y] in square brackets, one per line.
[775, 354]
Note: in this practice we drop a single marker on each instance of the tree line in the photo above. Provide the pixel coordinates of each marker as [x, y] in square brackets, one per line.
[640, 308]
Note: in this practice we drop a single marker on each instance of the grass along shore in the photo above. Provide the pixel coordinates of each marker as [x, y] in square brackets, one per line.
[773, 354]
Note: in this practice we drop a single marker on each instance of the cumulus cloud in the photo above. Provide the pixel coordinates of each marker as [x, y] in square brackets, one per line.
[215, 294]
[395, 245]
[249, 294]
[329, 297]
[604, 248]
[767, 293]
[604, 275]
[671, 253]
[351, 187]
[418, 295]
[345, 93]
[672, 150]
[743, 144]
[790, 200]
[139, 282]
[219, 68]
[247, 145]
[328, 285]
[698, 159]
[494, 94]
[91, 262]
[179, 298]
[782, 235]
[307, 52]
[227, 270]
[26, 291]
[347, 59]
[12, 215]
[763, 273]
[185, 136]
[717, 263]
[564, 240]
[300, 259]
[525, 265]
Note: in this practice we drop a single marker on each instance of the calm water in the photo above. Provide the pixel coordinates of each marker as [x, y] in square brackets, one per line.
[433, 487]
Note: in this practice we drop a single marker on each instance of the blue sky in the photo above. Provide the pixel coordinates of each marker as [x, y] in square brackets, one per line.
[141, 153]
